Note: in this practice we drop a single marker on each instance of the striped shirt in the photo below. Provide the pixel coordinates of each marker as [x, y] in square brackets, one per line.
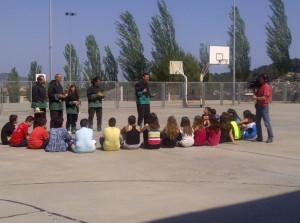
[153, 137]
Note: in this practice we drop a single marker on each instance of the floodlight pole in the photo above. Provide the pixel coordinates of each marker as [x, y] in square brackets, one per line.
[70, 14]
[233, 79]
[50, 39]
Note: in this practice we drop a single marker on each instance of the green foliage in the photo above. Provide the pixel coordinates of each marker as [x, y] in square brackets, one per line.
[165, 45]
[191, 67]
[75, 66]
[34, 69]
[13, 87]
[279, 37]
[110, 65]
[242, 47]
[131, 59]
[93, 66]
[295, 65]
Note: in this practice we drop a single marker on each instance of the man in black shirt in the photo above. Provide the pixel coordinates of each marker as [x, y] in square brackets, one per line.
[95, 96]
[39, 99]
[56, 96]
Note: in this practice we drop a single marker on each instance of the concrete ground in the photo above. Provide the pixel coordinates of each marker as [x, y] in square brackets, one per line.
[248, 182]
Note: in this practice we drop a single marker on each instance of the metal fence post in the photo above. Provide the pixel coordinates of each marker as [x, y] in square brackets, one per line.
[285, 92]
[221, 93]
[117, 98]
[204, 92]
[163, 95]
[239, 93]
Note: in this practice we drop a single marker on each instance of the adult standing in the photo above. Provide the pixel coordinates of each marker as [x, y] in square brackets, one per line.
[72, 108]
[39, 99]
[95, 96]
[263, 96]
[56, 96]
[143, 96]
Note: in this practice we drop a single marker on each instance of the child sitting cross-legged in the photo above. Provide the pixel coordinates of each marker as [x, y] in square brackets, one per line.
[199, 131]
[111, 137]
[170, 135]
[84, 142]
[131, 134]
[8, 129]
[187, 133]
[249, 129]
[39, 137]
[213, 132]
[226, 129]
[20, 135]
[59, 138]
[152, 133]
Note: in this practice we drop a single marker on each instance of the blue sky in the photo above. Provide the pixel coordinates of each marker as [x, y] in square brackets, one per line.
[24, 27]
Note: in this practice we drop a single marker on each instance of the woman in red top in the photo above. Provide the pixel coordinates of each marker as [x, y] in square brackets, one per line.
[39, 137]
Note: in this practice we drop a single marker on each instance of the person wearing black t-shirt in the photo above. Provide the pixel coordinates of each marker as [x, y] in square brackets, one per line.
[8, 129]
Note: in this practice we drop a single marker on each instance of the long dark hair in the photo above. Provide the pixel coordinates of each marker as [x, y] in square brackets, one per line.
[73, 95]
[214, 125]
[186, 126]
[153, 121]
[225, 120]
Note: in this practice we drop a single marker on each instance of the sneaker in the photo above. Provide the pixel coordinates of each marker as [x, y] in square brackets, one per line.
[99, 129]
[259, 140]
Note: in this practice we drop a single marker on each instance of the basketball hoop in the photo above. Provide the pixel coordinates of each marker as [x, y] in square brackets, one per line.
[218, 55]
[176, 67]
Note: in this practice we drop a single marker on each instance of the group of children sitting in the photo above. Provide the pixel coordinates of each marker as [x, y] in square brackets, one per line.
[209, 129]
[58, 139]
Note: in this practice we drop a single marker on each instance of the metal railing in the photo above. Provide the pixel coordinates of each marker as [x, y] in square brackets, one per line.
[166, 92]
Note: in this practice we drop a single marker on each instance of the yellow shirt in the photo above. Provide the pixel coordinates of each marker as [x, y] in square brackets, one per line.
[111, 139]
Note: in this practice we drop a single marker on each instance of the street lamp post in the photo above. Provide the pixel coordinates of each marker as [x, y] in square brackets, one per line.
[50, 39]
[70, 14]
[233, 95]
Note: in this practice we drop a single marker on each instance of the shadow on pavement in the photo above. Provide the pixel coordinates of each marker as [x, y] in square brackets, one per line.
[278, 209]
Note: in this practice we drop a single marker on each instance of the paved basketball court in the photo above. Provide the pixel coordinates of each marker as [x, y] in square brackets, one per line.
[249, 182]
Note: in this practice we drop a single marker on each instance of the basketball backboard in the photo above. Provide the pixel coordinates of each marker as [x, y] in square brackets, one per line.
[176, 67]
[219, 55]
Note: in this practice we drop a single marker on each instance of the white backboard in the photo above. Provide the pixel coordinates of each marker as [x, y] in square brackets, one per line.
[176, 67]
[219, 55]
[36, 76]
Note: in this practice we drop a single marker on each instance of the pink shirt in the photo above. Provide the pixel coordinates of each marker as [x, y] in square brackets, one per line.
[200, 137]
[213, 138]
[264, 90]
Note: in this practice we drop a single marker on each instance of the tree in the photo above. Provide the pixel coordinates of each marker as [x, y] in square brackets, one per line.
[75, 65]
[131, 59]
[204, 61]
[34, 69]
[110, 65]
[279, 37]
[164, 41]
[13, 88]
[191, 66]
[93, 66]
[242, 47]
